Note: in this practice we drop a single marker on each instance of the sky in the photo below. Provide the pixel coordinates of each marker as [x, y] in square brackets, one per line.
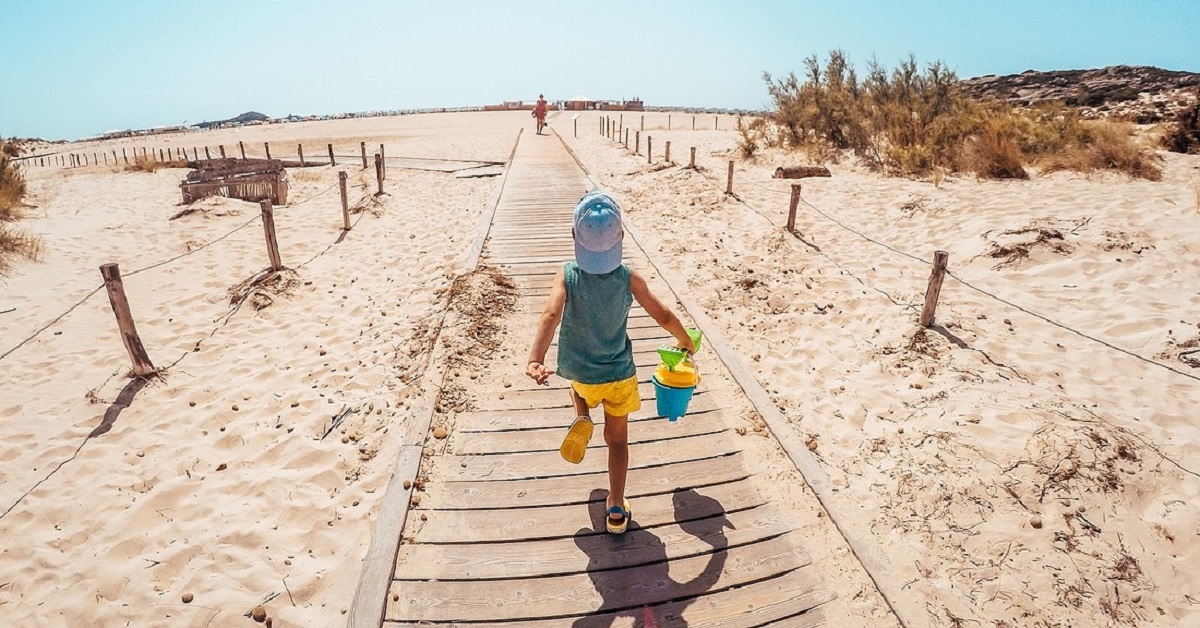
[70, 69]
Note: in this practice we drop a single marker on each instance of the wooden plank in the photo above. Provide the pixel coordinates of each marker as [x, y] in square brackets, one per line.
[565, 490]
[630, 588]
[561, 556]
[550, 464]
[793, 602]
[549, 439]
[366, 610]
[704, 404]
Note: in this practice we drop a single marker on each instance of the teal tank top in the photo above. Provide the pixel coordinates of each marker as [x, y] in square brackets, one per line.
[593, 345]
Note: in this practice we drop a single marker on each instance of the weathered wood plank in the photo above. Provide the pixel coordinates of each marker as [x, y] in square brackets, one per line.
[624, 589]
[551, 464]
[549, 439]
[560, 418]
[565, 490]
[561, 556]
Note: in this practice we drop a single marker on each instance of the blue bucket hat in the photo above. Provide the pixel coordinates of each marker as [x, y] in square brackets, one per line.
[598, 233]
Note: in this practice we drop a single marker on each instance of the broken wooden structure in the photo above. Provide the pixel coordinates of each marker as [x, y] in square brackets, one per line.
[801, 172]
[247, 179]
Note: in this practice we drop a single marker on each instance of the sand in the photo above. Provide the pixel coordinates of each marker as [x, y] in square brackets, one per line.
[1015, 472]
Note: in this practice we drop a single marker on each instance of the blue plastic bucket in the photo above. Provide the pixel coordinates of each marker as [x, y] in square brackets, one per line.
[672, 402]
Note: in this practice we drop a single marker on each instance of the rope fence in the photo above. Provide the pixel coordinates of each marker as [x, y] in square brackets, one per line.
[704, 168]
[170, 260]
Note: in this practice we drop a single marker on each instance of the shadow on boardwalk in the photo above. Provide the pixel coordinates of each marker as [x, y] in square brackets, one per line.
[623, 568]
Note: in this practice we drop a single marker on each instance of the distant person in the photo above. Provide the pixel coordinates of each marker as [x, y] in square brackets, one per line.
[591, 297]
[539, 112]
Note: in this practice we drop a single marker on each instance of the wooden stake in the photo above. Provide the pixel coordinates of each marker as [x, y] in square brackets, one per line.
[693, 123]
[242, 147]
[667, 157]
[575, 123]
[626, 139]
[124, 155]
[379, 173]
[345, 204]
[207, 154]
[649, 150]
[940, 260]
[716, 122]
[791, 223]
[729, 181]
[267, 146]
[196, 153]
[692, 159]
[637, 142]
[160, 155]
[268, 220]
[668, 122]
[120, 306]
[363, 147]
[300, 152]
[221, 147]
[643, 127]
[332, 161]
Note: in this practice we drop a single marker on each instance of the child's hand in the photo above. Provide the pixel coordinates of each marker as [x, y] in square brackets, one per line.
[538, 372]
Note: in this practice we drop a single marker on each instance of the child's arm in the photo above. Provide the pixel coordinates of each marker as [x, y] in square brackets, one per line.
[659, 312]
[551, 316]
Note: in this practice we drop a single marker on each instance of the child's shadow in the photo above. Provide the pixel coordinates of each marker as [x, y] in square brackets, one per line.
[630, 571]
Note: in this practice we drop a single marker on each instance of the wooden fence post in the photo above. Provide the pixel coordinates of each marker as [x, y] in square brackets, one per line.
[626, 139]
[379, 173]
[268, 220]
[196, 153]
[940, 260]
[300, 151]
[668, 122]
[345, 204]
[637, 142]
[716, 123]
[729, 181]
[692, 159]
[207, 154]
[267, 146]
[649, 150]
[643, 127]
[115, 157]
[667, 157]
[363, 147]
[382, 165]
[332, 161]
[120, 306]
[575, 122]
[693, 123]
[242, 147]
[221, 147]
[791, 223]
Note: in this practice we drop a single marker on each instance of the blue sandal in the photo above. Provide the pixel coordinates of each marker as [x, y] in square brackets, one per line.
[625, 513]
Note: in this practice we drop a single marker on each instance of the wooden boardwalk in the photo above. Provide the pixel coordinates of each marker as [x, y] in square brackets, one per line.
[507, 532]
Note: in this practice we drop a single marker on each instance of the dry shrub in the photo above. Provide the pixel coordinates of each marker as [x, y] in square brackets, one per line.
[910, 121]
[752, 136]
[12, 186]
[1185, 136]
[996, 152]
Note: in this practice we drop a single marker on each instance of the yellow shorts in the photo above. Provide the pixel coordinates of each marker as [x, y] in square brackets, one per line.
[619, 398]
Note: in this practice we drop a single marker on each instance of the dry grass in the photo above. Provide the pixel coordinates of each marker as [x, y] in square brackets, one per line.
[143, 163]
[16, 244]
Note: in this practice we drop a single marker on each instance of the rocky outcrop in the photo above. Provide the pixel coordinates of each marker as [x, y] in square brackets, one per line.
[1139, 93]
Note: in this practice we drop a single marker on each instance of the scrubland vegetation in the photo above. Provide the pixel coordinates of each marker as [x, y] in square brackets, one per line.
[14, 243]
[909, 121]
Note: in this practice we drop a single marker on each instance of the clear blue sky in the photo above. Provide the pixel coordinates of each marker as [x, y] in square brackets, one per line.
[77, 68]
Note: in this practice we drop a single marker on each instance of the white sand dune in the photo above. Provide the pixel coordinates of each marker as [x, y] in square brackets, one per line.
[1014, 471]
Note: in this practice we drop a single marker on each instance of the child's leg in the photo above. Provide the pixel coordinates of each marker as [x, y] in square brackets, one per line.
[616, 436]
[581, 407]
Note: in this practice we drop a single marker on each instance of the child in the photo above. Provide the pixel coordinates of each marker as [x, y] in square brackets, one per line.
[591, 297]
